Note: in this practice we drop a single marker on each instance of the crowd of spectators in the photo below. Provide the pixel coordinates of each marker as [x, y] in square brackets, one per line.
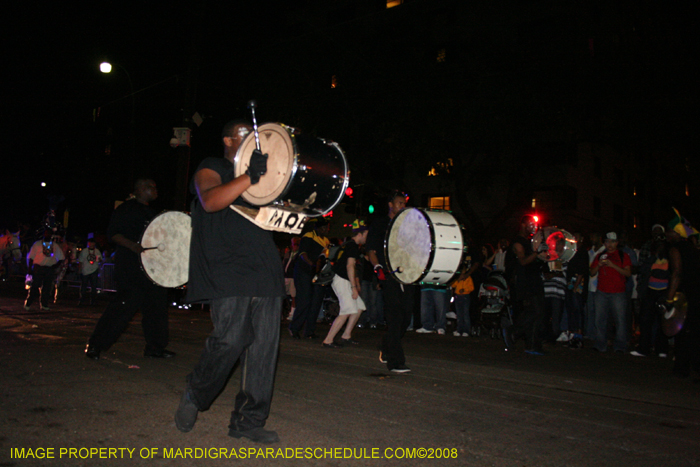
[605, 298]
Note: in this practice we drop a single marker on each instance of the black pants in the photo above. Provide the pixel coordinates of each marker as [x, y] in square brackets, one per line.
[398, 308]
[308, 304]
[247, 328]
[91, 280]
[44, 278]
[687, 343]
[138, 295]
[650, 334]
[530, 321]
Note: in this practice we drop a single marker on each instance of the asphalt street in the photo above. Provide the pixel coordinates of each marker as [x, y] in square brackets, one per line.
[467, 402]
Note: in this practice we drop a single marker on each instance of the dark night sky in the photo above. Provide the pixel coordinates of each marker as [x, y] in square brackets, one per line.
[51, 86]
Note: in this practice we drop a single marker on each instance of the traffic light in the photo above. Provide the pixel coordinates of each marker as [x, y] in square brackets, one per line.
[349, 201]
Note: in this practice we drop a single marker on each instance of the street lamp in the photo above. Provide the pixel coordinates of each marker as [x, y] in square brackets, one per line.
[106, 68]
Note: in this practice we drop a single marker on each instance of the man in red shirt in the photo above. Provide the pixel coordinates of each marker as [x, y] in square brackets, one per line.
[613, 267]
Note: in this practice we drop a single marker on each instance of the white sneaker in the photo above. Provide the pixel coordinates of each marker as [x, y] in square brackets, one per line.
[425, 331]
[441, 332]
[466, 334]
[26, 307]
[45, 308]
[563, 337]
[634, 353]
[662, 355]
[457, 334]
[451, 315]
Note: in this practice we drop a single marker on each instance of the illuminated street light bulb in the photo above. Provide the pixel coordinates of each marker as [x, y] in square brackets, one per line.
[106, 67]
[43, 183]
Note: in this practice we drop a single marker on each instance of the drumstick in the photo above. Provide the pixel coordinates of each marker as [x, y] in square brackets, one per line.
[251, 106]
[160, 247]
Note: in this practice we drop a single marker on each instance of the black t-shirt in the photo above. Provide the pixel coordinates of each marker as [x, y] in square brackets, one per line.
[528, 278]
[578, 265]
[350, 249]
[130, 219]
[375, 238]
[313, 251]
[229, 255]
[473, 256]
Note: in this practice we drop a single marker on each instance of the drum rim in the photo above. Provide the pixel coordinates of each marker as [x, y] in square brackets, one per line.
[569, 240]
[143, 268]
[346, 178]
[294, 133]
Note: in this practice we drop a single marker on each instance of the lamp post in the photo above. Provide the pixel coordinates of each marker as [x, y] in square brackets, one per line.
[106, 68]
[181, 139]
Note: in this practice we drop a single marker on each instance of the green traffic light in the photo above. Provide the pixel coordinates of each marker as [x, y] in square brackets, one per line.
[371, 209]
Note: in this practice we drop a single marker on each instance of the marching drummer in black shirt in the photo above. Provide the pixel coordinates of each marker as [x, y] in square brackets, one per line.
[398, 298]
[134, 290]
[235, 267]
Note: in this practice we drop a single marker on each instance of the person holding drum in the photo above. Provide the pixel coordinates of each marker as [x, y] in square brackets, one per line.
[134, 290]
[236, 269]
[398, 298]
[528, 288]
[684, 264]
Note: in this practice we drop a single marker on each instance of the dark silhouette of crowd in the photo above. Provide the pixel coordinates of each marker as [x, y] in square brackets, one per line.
[605, 295]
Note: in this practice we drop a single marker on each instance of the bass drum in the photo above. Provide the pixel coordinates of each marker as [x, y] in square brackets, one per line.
[166, 261]
[304, 174]
[424, 245]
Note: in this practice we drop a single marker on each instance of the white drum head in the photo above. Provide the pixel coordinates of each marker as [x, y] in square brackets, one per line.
[276, 142]
[408, 245]
[167, 262]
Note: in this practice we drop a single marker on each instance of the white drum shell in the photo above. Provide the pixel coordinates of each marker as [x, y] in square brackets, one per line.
[427, 245]
[169, 233]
